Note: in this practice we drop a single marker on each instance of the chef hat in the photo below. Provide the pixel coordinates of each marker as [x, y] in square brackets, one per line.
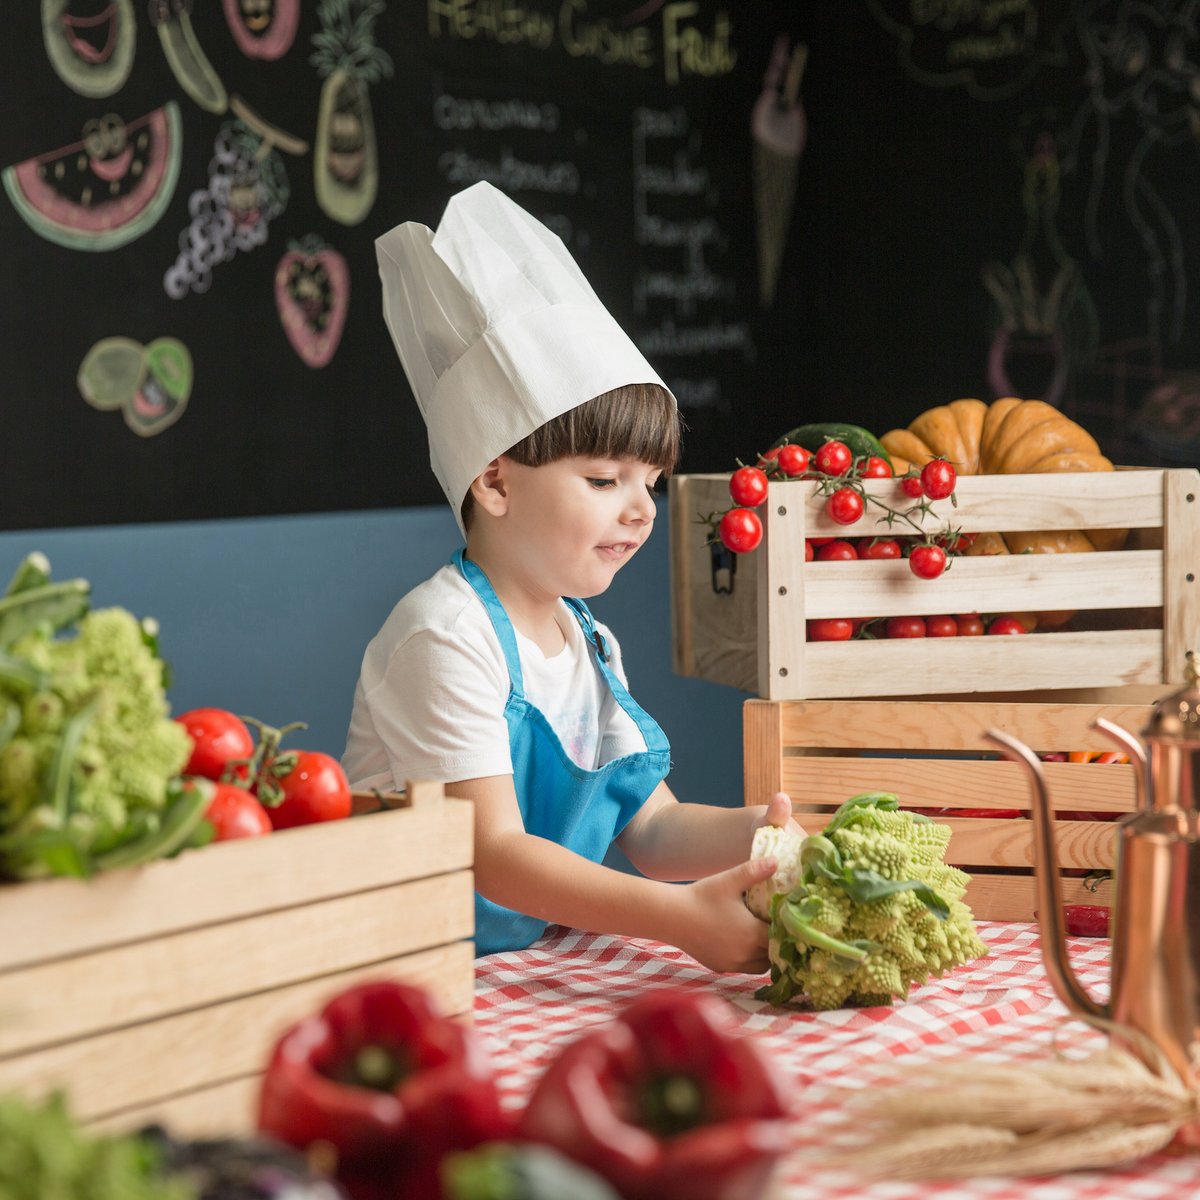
[497, 329]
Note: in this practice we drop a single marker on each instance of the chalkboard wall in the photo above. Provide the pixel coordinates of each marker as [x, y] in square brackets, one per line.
[800, 211]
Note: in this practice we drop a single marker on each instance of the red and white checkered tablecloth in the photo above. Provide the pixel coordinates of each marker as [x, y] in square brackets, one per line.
[530, 1003]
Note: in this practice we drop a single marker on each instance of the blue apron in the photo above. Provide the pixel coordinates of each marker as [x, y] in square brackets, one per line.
[559, 800]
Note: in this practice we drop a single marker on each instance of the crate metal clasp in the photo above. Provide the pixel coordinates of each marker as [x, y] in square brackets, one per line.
[724, 568]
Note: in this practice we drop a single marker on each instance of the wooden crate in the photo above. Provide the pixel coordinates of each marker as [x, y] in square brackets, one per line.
[933, 755]
[1138, 609]
[156, 994]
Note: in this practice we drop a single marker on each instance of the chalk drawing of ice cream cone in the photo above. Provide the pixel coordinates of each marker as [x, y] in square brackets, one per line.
[779, 128]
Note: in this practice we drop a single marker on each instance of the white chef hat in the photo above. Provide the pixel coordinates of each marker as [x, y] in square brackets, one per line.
[497, 329]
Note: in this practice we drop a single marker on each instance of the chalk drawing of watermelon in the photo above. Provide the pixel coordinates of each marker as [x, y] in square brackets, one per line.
[104, 191]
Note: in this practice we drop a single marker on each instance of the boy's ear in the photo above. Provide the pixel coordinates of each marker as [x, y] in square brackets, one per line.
[490, 488]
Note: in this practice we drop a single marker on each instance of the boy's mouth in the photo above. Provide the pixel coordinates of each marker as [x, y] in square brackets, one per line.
[618, 549]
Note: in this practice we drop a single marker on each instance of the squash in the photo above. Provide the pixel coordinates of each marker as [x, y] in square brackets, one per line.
[1007, 437]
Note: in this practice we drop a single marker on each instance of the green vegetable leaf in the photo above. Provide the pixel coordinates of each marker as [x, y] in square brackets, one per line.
[185, 810]
[32, 571]
[850, 809]
[57, 788]
[795, 919]
[867, 886]
[55, 605]
[20, 676]
[10, 720]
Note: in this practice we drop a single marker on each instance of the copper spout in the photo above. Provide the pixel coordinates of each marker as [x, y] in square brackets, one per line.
[1047, 884]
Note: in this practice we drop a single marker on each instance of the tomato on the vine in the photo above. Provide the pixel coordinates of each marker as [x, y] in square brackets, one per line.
[941, 626]
[741, 530]
[938, 478]
[1006, 624]
[879, 548]
[845, 506]
[911, 485]
[748, 486]
[315, 789]
[830, 629]
[221, 743]
[926, 561]
[876, 468]
[234, 813]
[969, 625]
[837, 551]
[905, 627]
[834, 458]
[768, 457]
[793, 460]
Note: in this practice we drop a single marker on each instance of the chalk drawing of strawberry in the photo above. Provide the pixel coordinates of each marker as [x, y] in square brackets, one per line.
[312, 294]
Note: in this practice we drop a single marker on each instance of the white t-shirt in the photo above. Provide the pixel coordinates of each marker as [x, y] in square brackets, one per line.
[430, 698]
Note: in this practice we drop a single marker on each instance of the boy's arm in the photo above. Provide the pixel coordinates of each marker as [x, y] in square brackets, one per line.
[513, 868]
[670, 840]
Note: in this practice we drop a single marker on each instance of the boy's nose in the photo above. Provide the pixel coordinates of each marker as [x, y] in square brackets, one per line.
[640, 507]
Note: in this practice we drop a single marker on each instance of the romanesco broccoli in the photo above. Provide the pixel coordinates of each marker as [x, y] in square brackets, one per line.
[873, 909]
[88, 752]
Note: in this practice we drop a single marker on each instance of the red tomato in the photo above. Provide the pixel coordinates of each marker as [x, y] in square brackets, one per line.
[969, 624]
[941, 626]
[905, 627]
[748, 486]
[927, 562]
[765, 460]
[876, 468]
[1006, 624]
[911, 485]
[1087, 920]
[808, 549]
[830, 629]
[218, 739]
[793, 459]
[845, 506]
[741, 530]
[878, 548]
[315, 789]
[834, 458]
[234, 813]
[837, 551]
[938, 478]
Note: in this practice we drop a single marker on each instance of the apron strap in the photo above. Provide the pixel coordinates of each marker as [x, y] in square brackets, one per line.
[650, 729]
[482, 586]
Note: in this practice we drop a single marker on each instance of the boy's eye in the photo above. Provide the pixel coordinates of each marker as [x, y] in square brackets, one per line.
[602, 483]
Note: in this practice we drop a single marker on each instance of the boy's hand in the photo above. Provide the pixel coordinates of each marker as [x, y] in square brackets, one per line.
[717, 928]
[778, 812]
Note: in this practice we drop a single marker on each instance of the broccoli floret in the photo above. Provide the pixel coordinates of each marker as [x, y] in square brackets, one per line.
[873, 910]
[95, 748]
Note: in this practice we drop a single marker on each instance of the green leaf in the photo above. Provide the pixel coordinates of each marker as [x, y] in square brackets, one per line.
[10, 720]
[184, 812]
[33, 571]
[857, 805]
[56, 605]
[19, 675]
[57, 787]
[866, 886]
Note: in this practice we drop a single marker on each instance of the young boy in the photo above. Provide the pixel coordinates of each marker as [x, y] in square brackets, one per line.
[549, 433]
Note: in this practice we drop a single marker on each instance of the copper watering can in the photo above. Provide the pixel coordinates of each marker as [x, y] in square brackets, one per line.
[1155, 985]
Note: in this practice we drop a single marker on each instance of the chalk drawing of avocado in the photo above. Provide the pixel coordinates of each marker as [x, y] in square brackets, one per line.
[150, 384]
[90, 43]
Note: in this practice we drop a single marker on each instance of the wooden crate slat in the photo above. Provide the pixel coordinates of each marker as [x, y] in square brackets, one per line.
[914, 666]
[66, 916]
[1181, 545]
[1011, 897]
[940, 783]
[938, 725]
[156, 1060]
[1119, 579]
[216, 1111]
[52, 1002]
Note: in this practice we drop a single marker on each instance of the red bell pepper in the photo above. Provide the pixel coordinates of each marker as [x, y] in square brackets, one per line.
[386, 1083]
[665, 1101]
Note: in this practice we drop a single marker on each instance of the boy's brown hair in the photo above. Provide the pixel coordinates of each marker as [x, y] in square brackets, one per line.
[638, 421]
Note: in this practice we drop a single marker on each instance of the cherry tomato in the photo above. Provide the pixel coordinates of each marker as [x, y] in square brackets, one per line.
[941, 626]
[845, 506]
[315, 789]
[905, 627]
[938, 478]
[821, 541]
[911, 484]
[830, 629]
[836, 551]
[969, 625]
[876, 468]
[741, 530]
[748, 486]
[1087, 920]
[834, 458]
[219, 738]
[808, 550]
[234, 813]
[878, 548]
[793, 459]
[765, 460]
[1028, 619]
[1006, 624]
[927, 562]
